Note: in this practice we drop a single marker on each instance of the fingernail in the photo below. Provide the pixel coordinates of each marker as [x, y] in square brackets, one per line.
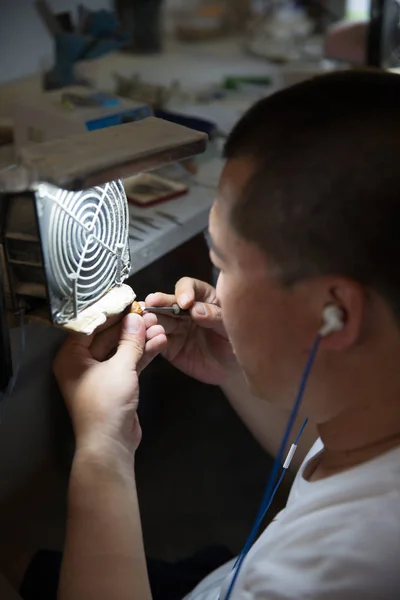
[133, 323]
[201, 309]
[183, 300]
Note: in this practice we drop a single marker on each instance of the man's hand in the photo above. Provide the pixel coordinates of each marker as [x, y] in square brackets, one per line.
[197, 346]
[102, 393]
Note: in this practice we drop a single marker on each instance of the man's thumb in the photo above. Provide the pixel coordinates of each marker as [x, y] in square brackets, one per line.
[132, 342]
[208, 316]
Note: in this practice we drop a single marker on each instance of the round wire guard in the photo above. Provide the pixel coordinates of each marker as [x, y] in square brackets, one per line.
[88, 243]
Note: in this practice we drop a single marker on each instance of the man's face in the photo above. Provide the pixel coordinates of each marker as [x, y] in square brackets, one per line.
[270, 326]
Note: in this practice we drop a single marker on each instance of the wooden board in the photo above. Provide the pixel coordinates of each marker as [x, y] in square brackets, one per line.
[81, 161]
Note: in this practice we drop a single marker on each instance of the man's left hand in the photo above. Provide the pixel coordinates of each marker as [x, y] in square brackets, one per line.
[98, 377]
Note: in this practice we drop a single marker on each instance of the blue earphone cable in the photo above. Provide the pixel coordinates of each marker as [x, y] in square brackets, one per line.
[266, 503]
[271, 488]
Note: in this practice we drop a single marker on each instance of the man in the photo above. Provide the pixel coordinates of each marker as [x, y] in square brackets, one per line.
[307, 215]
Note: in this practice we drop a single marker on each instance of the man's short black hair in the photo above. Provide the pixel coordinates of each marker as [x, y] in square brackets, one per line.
[325, 195]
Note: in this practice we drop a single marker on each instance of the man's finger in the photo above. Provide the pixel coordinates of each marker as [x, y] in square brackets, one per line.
[160, 299]
[154, 331]
[197, 296]
[172, 325]
[153, 348]
[208, 316]
[189, 290]
[205, 315]
[150, 319]
[105, 342]
[132, 342]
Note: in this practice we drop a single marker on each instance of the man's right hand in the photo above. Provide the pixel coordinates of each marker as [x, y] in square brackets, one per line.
[198, 345]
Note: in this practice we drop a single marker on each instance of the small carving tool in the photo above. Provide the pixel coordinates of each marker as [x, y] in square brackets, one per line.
[173, 311]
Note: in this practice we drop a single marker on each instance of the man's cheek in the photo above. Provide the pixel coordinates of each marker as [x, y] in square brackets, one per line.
[236, 326]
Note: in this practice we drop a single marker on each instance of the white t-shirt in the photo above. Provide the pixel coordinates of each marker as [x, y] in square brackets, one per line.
[337, 539]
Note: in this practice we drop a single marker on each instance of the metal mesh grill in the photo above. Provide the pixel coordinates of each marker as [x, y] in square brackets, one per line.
[86, 243]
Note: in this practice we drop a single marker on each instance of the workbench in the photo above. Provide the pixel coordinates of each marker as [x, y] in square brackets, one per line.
[195, 66]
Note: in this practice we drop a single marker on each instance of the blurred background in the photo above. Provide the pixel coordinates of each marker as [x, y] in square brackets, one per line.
[27, 46]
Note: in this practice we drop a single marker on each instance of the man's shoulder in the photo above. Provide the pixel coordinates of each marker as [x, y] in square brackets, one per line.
[362, 493]
[335, 553]
[342, 535]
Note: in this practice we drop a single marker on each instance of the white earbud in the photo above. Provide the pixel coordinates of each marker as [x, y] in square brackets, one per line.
[333, 320]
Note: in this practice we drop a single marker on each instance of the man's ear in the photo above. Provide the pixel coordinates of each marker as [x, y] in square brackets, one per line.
[351, 298]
